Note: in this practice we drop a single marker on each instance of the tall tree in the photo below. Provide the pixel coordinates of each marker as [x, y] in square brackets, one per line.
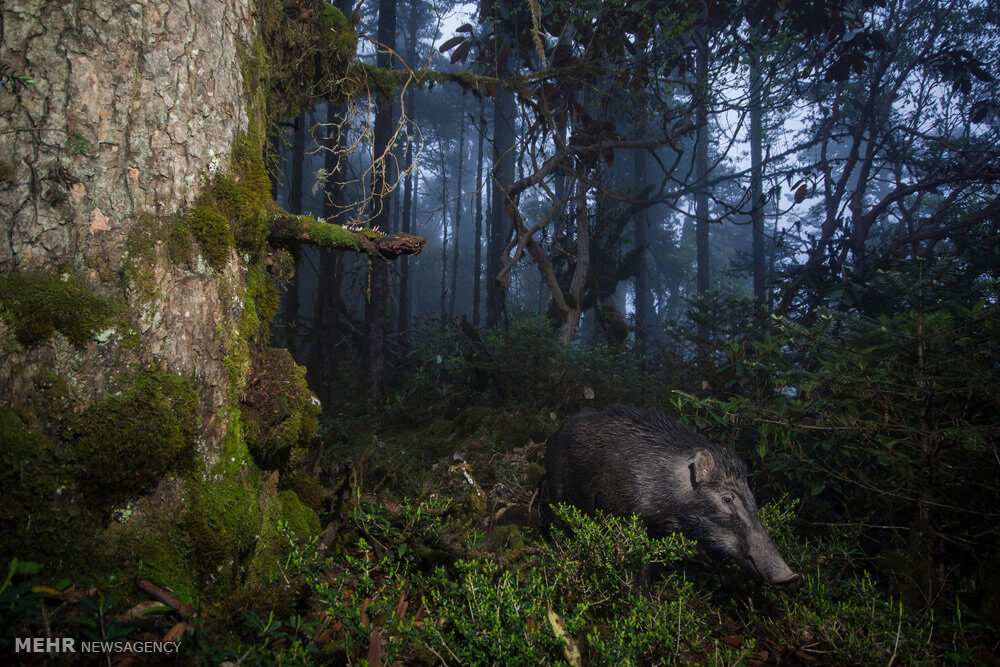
[757, 178]
[505, 112]
[406, 222]
[477, 269]
[459, 200]
[500, 222]
[329, 304]
[642, 291]
[444, 230]
[701, 159]
[901, 166]
[382, 179]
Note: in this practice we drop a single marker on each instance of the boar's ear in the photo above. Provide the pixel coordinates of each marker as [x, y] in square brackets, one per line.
[702, 466]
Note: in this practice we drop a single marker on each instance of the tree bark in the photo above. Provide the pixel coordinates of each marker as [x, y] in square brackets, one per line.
[500, 223]
[132, 103]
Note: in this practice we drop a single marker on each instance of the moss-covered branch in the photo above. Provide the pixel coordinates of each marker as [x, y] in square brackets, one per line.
[307, 229]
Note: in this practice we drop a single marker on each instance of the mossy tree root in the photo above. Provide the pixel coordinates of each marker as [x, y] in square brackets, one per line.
[309, 230]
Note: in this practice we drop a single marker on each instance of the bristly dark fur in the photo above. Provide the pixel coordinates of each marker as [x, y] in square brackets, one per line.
[624, 461]
[673, 434]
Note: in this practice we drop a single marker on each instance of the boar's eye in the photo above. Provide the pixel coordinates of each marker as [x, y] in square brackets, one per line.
[727, 499]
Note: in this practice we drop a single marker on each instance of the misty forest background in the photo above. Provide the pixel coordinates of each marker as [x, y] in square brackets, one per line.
[777, 222]
[788, 239]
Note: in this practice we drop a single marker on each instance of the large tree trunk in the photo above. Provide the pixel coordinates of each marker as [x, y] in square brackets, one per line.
[134, 106]
[131, 86]
[133, 292]
[329, 305]
[502, 175]
[407, 224]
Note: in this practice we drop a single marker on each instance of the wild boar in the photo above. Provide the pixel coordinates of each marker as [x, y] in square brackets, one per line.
[626, 461]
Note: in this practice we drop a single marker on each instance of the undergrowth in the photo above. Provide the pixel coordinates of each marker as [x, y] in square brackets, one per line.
[434, 551]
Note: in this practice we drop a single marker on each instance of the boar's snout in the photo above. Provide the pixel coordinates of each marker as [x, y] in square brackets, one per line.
[766, 561]
[790, 579]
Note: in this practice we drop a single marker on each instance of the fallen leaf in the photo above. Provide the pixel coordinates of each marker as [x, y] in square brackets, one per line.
[143, 609]
[175, 632]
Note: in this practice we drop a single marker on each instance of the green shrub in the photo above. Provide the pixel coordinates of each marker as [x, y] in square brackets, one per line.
[600, 558]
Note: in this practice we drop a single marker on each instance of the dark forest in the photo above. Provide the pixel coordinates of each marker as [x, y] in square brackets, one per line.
[541, 332]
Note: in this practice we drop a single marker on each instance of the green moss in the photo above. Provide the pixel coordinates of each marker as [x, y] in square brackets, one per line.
[231, 211]
[280, 411]
[222, 520]
[180, 243]
[301, 520]
[323, 234]
[308, 58]
[39, 517]
[36, 305]
[285, 519]
[243, 195]
[152, 544]
[337, 33]
[257, 73]
[163, 556]
[363, 78]
[506, 538]
[309, 491]
[124, 444]
[212, 231]
[261, 304]
[234, 457]
[138, 271]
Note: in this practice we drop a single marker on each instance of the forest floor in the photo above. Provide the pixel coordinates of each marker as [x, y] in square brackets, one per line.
[434, 552]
